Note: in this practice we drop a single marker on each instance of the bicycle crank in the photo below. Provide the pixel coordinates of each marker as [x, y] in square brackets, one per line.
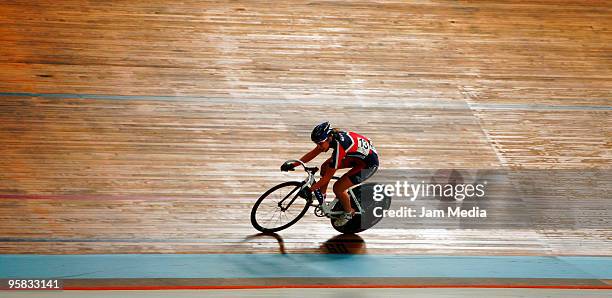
[319, 212]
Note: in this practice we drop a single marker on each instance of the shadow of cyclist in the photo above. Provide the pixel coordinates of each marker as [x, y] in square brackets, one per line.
[279, 239]
[348, 244]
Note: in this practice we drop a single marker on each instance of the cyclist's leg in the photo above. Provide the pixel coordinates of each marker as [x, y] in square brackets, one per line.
[347, 181]
[326, 165]
[358, 174]
[324, 168]
[340, 190]
[363, 174]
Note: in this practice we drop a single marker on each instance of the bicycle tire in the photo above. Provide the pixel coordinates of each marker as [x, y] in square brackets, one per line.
[353, 226]
[265, 195]
[360, 223]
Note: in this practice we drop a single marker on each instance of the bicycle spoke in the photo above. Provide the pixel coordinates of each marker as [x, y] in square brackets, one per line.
[280, 208]
[269, 219]
[278, 218]
[271, 216]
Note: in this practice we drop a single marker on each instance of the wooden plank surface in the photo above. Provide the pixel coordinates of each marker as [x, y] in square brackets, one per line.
[173, 117]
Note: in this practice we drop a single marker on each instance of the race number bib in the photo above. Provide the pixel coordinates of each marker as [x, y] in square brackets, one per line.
[363, 147]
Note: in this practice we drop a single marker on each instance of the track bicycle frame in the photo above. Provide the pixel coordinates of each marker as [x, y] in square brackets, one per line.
[326, 208]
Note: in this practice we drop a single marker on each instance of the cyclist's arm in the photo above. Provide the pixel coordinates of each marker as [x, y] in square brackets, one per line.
[324, 179]
[309, 156]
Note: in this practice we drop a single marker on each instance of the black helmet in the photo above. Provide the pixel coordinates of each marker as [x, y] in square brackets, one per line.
[320, 132]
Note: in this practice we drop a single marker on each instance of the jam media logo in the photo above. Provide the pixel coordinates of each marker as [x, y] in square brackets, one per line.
[424, 212]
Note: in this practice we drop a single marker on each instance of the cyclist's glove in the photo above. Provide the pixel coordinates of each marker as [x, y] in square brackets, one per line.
[305, 193]
[287, 166]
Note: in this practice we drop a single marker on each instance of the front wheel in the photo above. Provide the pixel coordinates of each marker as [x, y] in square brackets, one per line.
[279, 208]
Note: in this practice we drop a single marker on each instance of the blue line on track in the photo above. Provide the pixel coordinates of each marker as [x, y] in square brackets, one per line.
[445, 104]
[536, 107]
[300, 265]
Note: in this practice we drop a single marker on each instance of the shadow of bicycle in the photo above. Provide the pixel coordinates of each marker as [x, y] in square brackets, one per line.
[279, 239]
[348, 244]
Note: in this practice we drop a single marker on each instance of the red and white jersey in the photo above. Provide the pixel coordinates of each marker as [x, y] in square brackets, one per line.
[351, 144]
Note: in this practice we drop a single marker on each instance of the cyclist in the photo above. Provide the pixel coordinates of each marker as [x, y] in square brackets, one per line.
[350, 150]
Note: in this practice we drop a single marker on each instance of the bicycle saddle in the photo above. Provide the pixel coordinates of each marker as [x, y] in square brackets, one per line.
[312, 170]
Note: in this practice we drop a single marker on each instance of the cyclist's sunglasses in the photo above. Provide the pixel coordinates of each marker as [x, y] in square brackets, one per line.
[323, 141]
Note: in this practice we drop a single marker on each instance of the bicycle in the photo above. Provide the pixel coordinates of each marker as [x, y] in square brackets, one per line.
[286, 195]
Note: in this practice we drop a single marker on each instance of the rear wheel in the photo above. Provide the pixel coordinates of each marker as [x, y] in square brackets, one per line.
[353, 226]
[361, 222]
[279, 208]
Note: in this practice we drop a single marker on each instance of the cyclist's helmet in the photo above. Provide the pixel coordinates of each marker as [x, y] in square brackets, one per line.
[320, 132]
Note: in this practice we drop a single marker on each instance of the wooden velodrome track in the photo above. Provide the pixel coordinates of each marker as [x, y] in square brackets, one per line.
[152, 126]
